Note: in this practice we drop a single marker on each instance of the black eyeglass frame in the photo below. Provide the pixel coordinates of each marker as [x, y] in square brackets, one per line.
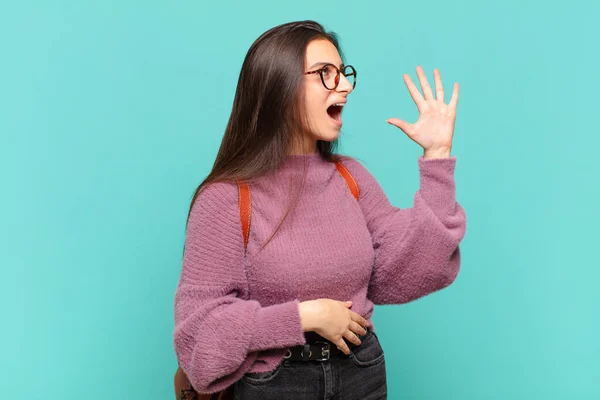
[337, 77]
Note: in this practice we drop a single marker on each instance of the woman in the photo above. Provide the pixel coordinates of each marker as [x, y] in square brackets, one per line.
[287, 314]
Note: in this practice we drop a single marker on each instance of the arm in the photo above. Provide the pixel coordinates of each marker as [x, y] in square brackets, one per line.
[416, 249]
[218, 332]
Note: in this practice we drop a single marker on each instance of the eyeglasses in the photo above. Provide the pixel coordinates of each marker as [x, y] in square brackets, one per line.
[330, 75]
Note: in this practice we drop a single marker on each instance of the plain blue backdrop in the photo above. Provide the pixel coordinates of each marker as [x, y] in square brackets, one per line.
[111, 113]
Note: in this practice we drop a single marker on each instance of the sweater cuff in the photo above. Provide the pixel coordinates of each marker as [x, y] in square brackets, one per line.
[277, 326]
[438, 187]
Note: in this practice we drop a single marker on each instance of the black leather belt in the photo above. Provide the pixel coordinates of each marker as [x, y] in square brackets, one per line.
[317, 348]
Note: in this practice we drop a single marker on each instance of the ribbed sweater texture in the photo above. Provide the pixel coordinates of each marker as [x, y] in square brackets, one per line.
[236, 311]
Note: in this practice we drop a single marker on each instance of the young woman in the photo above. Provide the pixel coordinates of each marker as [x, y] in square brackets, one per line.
[285, 312]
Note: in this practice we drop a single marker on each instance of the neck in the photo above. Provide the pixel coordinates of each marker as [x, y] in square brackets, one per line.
[305, 147]
[306, 153]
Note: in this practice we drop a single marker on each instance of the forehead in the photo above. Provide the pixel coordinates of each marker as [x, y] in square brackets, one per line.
[322, 50]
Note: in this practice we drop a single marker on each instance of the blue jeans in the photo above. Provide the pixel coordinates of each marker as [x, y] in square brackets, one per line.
[359, 375]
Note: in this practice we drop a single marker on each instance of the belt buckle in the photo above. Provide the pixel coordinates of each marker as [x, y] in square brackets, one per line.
[325, 351]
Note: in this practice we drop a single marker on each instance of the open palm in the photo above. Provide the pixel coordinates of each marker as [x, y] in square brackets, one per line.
[435, 127]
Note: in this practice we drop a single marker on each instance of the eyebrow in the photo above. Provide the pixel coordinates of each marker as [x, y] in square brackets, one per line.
[321, 63]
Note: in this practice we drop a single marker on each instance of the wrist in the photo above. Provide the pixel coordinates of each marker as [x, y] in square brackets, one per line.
[436, 153]
[307, 315]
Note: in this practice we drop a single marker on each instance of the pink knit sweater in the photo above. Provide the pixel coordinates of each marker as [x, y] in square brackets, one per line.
[237, 313]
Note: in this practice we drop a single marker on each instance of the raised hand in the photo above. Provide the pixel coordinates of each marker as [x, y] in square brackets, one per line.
[434, 129]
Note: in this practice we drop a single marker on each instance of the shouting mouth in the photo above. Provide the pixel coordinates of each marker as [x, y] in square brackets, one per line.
[335, 113]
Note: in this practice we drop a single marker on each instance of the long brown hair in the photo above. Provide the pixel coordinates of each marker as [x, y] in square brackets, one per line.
[268, 115]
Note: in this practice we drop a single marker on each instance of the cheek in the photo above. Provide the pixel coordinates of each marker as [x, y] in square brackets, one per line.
[316, 102]
[317, 108]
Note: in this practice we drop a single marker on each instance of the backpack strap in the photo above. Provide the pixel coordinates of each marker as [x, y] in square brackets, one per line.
[245, 205]
[245, 201]
[350, 181]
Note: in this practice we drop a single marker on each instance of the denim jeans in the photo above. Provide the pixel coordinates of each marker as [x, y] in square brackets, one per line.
[359, 375]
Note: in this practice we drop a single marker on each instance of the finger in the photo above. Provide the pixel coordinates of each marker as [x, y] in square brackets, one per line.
[454, 99]
[342, 346]
[346, 303]
[414, 92]
[357, 328]
[439, 88]
[424, 84]
[359, 318]
[352, 338]
[403, 125]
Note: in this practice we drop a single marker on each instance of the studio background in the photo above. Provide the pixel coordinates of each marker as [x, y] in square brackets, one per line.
[111, 114]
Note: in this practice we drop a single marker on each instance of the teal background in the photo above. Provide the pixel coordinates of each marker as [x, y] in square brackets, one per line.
[111, 113]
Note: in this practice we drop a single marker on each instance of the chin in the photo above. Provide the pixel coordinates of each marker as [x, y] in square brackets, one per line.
[330, 136]
[325, 133]
[334, 136]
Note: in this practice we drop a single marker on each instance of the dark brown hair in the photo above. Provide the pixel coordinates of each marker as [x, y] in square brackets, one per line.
[268, 115]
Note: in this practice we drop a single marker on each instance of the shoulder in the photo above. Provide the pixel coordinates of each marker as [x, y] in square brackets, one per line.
[217, 194]
[219, 191]
[216, 201]
[359, 171]
[352, 163]
[371, 197]
[213, 237]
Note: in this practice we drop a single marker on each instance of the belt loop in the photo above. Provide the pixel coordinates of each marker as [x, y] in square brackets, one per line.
[306, 353]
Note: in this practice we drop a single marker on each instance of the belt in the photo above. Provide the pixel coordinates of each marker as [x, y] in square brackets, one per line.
[317, 348]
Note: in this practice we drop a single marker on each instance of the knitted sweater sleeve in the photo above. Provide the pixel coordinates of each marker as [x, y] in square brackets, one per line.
[218, 331]
[417, 248]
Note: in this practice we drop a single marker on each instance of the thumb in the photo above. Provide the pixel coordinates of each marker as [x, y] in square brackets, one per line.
[403, 125]
[348, 303]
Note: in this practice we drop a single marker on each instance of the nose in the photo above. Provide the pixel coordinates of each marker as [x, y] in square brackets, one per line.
[344, 85]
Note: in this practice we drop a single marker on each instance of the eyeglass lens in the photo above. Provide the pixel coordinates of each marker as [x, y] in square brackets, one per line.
[331, 76]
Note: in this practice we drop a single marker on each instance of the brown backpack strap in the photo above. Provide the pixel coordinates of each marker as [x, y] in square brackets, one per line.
[350, 181]
[245, 201]
[245, 205]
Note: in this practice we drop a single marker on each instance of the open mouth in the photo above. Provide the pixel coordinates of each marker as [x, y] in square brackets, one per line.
[335, 113]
